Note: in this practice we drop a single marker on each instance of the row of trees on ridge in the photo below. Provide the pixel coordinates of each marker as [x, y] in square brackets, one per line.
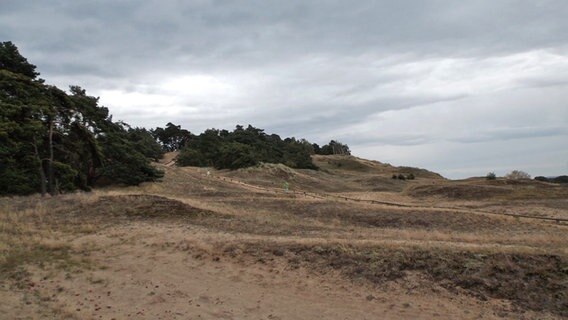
[242, 147]
[52, 141]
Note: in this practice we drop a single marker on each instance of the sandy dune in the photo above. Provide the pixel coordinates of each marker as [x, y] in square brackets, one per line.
[199, 246]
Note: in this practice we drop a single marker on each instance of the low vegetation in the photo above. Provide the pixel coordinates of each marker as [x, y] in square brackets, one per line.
[533, 281]
[29, 236]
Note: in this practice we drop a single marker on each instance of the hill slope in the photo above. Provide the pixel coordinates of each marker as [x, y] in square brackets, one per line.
[351, 164]
[182, 247]
[337, 173]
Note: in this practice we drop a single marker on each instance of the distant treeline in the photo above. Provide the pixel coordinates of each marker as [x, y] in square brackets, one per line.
[559, 179]
[242, 147]
[52, 141]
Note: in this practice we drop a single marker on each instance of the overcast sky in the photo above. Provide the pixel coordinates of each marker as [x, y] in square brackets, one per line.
[458, 87]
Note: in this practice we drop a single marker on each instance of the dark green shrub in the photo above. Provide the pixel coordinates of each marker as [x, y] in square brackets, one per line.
[191, 157]
[235, 155]
[560, 179]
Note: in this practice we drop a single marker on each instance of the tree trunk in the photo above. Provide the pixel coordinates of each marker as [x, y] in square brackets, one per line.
[41, 172]
[50, 168]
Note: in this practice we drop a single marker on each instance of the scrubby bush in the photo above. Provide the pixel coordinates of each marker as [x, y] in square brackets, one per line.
[401, 176]
[517, 175]
[491, 176]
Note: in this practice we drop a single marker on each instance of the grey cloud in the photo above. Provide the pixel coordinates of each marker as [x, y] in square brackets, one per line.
[511, 133]
[260, 32]
[369, 73]
[399, 139]
[554, 81]
[321, 121]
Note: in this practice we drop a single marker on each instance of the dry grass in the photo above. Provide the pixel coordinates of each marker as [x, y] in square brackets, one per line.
[351, 164]
[486, 256]
[504, 190]
[39, 232]
[533, 281]
[28, 236]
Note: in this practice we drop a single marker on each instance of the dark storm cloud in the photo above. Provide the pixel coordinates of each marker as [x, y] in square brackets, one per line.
[397, 73]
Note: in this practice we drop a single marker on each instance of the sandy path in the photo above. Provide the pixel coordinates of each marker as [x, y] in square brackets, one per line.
[160, 273]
